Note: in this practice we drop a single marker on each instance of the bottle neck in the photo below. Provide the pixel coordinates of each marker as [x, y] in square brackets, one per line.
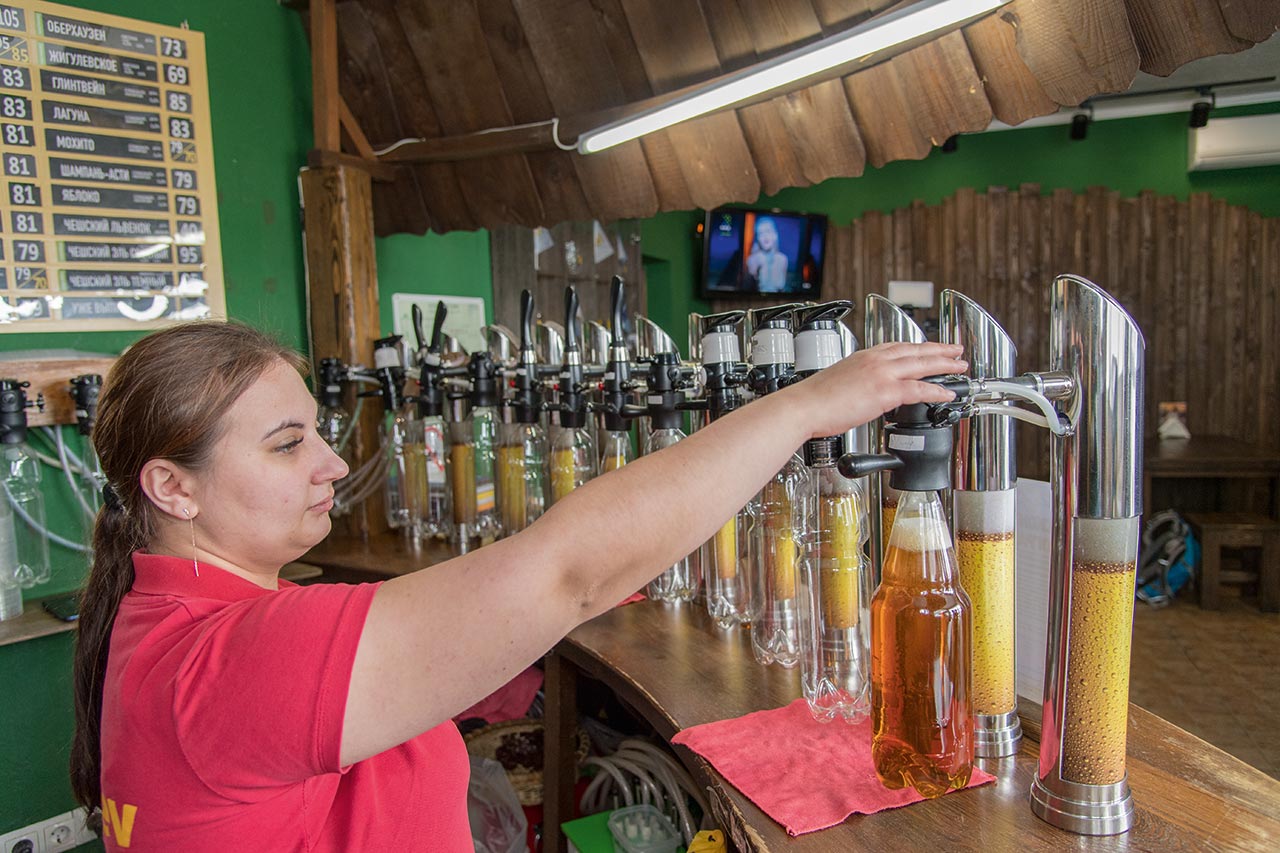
[920, 548]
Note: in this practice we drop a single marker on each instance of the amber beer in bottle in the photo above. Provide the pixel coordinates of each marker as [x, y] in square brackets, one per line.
[921, 706]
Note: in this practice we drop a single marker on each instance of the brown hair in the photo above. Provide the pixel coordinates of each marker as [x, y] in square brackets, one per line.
[164, 398]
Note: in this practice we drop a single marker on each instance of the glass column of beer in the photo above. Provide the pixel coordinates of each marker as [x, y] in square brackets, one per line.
[1096, 470]
[984, 506]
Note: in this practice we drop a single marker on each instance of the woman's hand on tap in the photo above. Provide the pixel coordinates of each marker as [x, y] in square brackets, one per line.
[871, 382]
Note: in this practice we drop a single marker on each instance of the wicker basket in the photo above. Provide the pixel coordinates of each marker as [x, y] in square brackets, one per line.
[518, 746]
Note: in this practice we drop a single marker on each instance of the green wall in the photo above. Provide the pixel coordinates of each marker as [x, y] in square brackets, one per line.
[455, 264]
[259, 89]
[1126, 155]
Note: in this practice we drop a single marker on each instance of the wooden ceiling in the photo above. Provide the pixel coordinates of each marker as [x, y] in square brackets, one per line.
[444, 69]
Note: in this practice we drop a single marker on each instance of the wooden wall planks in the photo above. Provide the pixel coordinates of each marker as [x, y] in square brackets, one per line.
[1202, 279]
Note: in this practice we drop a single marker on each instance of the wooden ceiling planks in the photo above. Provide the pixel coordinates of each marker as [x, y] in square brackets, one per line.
[1169, 37]
[423, 69]
[553, 171]
[1075, 49]
[711, 151]
[1013, 91]
[451, 49]
[1254, 20]
[913, 102]
[818, 120]
[569, 49]
[763, 127]
[437, 185]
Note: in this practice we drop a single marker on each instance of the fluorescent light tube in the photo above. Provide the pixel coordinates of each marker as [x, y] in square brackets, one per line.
[919, 19]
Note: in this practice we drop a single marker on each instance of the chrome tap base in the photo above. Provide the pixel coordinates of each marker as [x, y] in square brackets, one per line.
[996, 735]
[1083, 809]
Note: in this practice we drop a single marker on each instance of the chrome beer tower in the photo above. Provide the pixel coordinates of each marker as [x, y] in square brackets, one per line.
[1091, 400]
[885, 323]
[983, 479]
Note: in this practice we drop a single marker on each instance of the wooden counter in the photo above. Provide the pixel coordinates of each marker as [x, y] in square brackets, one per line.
[386, 555]
[674, 668]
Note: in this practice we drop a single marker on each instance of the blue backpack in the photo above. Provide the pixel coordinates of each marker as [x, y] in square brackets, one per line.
[1168, 559]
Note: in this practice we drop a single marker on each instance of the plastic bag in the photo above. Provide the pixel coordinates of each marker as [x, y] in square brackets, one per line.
[498, 824]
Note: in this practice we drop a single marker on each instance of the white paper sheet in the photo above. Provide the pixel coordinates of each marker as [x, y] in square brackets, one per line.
[1035, 539]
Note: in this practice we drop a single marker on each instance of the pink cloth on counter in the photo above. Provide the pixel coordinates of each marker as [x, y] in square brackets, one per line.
[511, 701]
[804, 774]
[631, 599]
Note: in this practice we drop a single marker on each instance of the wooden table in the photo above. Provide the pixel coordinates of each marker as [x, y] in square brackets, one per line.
[1216, 457]
[675, 669]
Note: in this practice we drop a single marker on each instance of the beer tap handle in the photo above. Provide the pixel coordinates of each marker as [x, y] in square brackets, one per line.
[855, 465]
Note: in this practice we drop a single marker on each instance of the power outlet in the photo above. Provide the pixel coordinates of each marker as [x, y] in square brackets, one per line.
[27, 840]
[59, 834]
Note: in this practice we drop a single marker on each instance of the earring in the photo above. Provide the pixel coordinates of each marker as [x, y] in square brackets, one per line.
[195, 564]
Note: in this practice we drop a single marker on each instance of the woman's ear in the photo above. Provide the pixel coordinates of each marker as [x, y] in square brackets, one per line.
[170, 487]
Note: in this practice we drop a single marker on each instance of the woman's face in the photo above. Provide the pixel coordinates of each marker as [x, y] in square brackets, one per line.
[766, 235]
[265, 497]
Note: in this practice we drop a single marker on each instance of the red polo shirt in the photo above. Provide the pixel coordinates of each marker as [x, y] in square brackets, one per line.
[222, 725]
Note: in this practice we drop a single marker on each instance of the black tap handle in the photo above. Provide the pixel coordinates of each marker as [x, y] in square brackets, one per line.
[615, 307]
[725, 321]
[761, 316]
[437, 328]
[417, 326]
[854, 465]
[827, 311]
[571, 336]
[526, 320]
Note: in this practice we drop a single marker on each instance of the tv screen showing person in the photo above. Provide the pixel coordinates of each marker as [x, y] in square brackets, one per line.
[749, 252]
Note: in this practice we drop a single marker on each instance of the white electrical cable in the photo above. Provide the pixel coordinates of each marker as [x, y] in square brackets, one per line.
[608, 767]
[52, 435]
[351, 426]
[71, 479]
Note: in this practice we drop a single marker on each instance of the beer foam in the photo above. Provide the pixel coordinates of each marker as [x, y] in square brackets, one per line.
[1105, 540]
[985, 512]
[919, 533]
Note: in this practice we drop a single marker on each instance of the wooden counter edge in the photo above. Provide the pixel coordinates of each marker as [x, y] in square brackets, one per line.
[35, 622]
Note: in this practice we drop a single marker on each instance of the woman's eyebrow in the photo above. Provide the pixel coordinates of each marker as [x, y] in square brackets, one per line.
[283, 426]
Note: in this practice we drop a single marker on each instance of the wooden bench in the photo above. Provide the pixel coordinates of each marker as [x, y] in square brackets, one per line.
[1218, 530]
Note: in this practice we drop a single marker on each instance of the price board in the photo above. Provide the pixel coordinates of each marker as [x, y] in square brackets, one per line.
[108, 216]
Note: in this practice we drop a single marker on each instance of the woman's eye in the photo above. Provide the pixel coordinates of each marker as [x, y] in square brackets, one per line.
[288, 448]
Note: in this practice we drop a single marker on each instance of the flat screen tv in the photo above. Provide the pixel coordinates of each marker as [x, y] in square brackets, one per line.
[748, 252]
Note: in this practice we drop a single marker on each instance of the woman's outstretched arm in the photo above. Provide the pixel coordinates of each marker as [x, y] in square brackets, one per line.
[438, 640]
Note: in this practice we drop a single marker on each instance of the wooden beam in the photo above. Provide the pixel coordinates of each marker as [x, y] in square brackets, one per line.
[342, 300]
[382, 172]
[354, 131]
[324, 76]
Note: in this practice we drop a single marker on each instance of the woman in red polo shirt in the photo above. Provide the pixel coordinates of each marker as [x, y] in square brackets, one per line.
[219, 707]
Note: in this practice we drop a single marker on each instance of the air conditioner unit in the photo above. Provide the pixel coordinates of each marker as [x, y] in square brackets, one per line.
[1234, 143]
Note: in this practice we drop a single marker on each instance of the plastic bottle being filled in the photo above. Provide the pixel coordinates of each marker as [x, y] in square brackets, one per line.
[921, 708]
